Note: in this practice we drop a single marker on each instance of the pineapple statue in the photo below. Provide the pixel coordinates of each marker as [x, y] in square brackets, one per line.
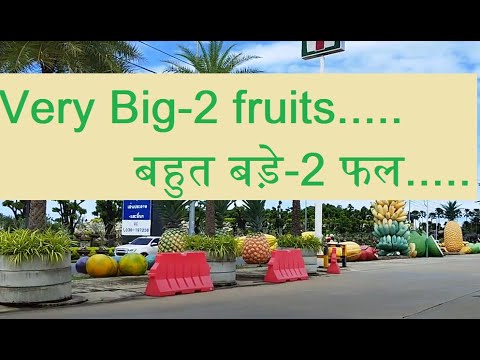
[256, 248]
[453, 237]
[173, 213]
[390, 228]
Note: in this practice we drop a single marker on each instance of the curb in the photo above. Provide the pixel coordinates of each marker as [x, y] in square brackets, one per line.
[246, 281]
[75, 300]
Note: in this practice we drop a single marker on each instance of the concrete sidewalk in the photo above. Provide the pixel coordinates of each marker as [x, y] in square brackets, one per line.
[100, 290]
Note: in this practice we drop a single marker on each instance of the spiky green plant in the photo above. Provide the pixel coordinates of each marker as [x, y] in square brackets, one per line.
[218, 247]
[299, 242]
[452, 210]
[25, 245]
[173, 212]
[255, 214]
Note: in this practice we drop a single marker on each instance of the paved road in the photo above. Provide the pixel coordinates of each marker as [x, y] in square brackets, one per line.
[414, 288]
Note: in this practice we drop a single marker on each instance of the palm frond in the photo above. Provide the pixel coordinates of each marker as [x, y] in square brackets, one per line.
[211, 59]
[68, 56]
[247, 71]
[176, 67]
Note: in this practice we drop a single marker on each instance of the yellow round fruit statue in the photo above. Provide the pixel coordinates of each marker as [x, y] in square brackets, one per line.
[100, 265]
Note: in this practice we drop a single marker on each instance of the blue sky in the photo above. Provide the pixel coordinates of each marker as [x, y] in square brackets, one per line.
[359, 57]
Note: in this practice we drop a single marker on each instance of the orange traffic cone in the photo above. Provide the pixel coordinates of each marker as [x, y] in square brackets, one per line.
[333, 267]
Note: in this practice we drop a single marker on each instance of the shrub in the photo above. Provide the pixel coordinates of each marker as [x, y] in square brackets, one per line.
[24, 245]
[92, 249]
[300, 242]
[218, 246]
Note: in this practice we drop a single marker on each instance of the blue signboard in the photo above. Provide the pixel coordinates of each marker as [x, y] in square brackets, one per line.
[136, 219]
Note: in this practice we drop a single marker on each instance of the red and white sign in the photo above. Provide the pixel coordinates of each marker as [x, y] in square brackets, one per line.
[313, 49]
[319, 45]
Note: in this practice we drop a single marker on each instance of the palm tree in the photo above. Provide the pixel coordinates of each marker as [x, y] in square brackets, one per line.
[439, 213]
[212, 59]
[296, 223]
[476, 219]
[68, 56]
[221, 208]
[64, 57]
[414, 215]
[210, 226]
[451, 210]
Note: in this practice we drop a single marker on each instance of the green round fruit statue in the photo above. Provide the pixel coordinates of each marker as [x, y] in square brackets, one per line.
[133, 265]
[150, 261]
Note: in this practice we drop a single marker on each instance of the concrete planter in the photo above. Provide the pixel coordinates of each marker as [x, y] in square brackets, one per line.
[35, 281]
[223, 271]
[310, 260]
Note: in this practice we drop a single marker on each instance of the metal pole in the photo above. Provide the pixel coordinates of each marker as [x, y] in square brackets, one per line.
[191, 213]
[322, 64]
[436, 227]
[409, 210]
[427, 217]
[318, 219]
[426, 240]
[318, 203]
[191, 218]
[306, 217]
[27, 213]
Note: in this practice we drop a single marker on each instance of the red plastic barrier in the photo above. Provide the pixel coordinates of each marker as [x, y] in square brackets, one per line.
[286, 265]
[179, 273]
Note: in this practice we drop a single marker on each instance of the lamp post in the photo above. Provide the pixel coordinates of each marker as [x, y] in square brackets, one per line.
[306, 216]
[318, 203]
[191, 218]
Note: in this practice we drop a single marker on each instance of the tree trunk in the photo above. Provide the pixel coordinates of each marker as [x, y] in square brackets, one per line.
[210, 218]
[37, 217]
[296, 223]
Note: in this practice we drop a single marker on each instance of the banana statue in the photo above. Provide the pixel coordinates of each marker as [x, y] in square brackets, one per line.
[389, 226]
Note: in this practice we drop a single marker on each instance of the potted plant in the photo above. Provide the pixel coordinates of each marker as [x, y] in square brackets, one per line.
[35, 266]
[310, 246]
[221, 251]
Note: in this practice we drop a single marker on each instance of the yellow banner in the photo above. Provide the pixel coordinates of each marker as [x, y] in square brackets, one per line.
[263, 136]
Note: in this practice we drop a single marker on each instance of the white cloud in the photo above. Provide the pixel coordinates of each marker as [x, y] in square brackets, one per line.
[372, 57]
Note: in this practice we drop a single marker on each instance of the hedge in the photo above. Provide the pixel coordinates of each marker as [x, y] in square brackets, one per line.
[93, 251]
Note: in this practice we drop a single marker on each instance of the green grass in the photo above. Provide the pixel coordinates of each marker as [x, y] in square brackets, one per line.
[300, 242]
[219, 246]
[25, 245]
